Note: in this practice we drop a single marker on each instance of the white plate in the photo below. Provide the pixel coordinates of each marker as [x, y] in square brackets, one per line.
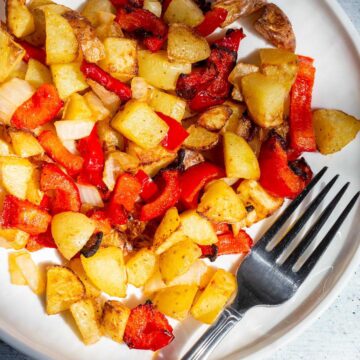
[324, 33]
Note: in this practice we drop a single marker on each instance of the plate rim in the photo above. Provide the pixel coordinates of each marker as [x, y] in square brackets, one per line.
[14, 341]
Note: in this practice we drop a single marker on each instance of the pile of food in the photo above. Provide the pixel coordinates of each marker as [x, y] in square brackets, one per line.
[140, 151]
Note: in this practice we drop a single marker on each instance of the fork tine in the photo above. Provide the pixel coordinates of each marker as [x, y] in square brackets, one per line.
[295, 229]
[280, 221]
[314, 230]
[315, 256]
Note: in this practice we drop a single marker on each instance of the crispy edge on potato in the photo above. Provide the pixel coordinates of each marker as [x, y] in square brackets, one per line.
[63, 288]
[200, 138]
[19, 19]
[215, 118]
[276, 27]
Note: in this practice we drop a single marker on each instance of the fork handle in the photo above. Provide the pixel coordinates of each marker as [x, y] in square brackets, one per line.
[213, 336]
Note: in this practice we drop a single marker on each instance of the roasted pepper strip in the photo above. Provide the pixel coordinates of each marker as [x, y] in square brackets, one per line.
[213, 19]
[32, 52]
[148, 187]
[24, 215]
[94, 72]
[275, 174]
[40, 109]
[37, 242]
[228, 244]
[168, 197]
[194, 179]
[91, 151]
[58, 152]
[176, 133]
[61, 189]
[144, 25]
[147, 329]
[208, 86]
[302, 135]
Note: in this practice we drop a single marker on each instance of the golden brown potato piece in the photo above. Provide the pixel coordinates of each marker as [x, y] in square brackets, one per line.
[90, 44]
[215, 118]
[19, 19]
[63, 288]
[334, 129]
[275, 27]
[93, 7]
[114, 319]
[185, 45]
[183, 11]
[238, 8]
[200, 139]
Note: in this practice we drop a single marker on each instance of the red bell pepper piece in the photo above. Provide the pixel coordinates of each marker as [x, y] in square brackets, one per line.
[221, 228]
[212, 20]
[147, 329]
[40, 109]
[58, 152]
[94, 72]
[148, 187]
[61, 188]
[32, 52]
[44, 240]
[24, 215]
[302, 169]
[91, 151]
[176, 133]
[208, 86]
[193, 180]
[302, 135]
[169, 196]
[275, 174]
[144, 25]
[228, 244]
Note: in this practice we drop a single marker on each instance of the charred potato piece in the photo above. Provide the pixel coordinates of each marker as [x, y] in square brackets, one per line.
[200, 139]
[215, 118]
[275, 27]
[238, 8]
[19, 19]
[90, 44]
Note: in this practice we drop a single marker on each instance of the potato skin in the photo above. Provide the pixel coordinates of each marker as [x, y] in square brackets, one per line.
[275, 27]
[215, 118]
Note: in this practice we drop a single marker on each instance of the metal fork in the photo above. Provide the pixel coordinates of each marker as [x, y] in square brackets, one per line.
[261, 279]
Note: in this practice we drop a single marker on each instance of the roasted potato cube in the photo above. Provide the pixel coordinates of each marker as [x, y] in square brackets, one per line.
[215, 118]
[178, 259]
[71, 231]
[240, 159]
[107, 27]
[37, 73]
[11, 54]
[33, 193]
[167, 73]
[215, 296]
[175, 301]
[197, 228]
[13, 238]
[334, 129]
[25, 144]
[15, 175]
[99, 111]
[91, 46]
[139, 123]
[91, 291]
[140, 267]
[220, 204]
[77, 108]
[184, 12]
[16, 276]
[109, 136]
[200, 139]
[275, 27]
[31, 272]
[93, 7]
[106, 269]
[68, 78]
[185, 45]
[167, 104]
[19, 19]
[120, 58]
[84, 313]
[168, 226]
[63, 288]
[61, 43]
[265, 99]
[237, 113]
[114, 319]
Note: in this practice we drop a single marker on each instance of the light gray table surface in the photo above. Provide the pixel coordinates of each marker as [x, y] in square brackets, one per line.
[336, 334]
